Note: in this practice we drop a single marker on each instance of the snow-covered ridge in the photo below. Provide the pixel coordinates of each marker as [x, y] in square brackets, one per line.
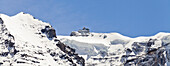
[116, 49]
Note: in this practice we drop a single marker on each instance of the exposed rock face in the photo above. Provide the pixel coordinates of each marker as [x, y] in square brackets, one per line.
[71, 53]
[83, 32]
[152, 56]
[7, 41]
[1, 21]
[50, 32]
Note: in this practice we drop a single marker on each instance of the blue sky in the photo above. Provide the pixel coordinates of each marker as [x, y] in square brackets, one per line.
[129, 17]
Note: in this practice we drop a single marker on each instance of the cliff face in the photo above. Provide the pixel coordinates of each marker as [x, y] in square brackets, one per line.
[28, 41]
[154, 56]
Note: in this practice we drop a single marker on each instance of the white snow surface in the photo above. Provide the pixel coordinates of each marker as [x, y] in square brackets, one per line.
[25, 30]
[114, 45]
[108, 47]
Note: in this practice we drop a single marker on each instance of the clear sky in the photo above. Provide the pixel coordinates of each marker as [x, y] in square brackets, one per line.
[128, 17]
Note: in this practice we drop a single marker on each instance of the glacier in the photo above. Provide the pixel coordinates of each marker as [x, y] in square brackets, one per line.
[114, 49]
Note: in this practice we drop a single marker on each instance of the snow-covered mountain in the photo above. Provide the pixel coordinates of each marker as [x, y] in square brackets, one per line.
[26, 41]
[114, 49]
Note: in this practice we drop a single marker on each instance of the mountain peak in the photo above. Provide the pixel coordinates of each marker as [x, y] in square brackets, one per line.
[24, 43]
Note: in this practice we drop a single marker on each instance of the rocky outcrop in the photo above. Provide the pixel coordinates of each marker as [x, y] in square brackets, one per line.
[82, 32]
[153, 56]
[49, 31]
[71, 52]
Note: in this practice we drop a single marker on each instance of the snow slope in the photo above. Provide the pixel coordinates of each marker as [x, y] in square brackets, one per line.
[33, 47]
[87, 45]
